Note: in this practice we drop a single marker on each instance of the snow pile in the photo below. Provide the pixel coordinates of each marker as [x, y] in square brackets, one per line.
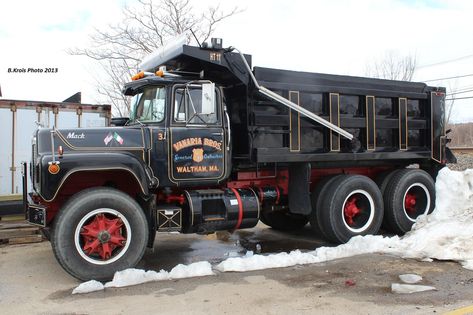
[131, 276]
[410, 288]
[89, 286]
[410, 278]
[258, 262]
[134, 276]
[446, 234]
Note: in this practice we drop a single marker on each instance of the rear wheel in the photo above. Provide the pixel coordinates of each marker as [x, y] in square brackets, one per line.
[409, 194]
[351, 205]
[382, 180]
[283, 221]
[97, 232]
[319, 190]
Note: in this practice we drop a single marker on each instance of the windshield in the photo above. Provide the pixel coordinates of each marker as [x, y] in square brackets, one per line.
[149, 106]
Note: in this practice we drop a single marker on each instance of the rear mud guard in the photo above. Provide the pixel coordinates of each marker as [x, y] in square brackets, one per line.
[299, 188]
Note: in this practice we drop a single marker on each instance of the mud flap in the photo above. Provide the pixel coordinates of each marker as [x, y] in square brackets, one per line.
[299, 188]
[449, 156]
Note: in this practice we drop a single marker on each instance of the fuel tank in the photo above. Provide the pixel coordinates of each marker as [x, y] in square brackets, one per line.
[212, 210]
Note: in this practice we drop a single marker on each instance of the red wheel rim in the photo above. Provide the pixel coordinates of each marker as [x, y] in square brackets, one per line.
[416, 201]
[102, 236]
[358, 211]
[410, 202]
[351, 210]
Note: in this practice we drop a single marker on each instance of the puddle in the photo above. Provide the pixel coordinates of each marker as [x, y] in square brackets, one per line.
[173, 249]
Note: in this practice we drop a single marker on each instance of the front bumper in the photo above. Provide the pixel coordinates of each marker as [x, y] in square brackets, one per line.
[34, 213]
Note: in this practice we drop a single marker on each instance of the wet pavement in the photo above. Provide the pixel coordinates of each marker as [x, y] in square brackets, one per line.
[171, 249]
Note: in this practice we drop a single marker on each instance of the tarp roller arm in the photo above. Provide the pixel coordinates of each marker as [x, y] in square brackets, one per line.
[278, 98]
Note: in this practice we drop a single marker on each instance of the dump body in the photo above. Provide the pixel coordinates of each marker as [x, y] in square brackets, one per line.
[390, 120]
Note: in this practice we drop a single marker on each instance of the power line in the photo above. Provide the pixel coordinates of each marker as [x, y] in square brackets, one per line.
[445, 61]
[461, 89]
[462, 92]
[458, 98]
[449, 78]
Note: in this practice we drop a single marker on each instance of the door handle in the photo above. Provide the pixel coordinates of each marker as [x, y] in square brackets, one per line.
[217, 133]
[229, 131]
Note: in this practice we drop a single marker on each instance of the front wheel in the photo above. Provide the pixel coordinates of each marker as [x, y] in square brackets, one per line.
[97, 232]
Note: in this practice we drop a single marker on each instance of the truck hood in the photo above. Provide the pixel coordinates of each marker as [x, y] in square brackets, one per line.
[78, 139]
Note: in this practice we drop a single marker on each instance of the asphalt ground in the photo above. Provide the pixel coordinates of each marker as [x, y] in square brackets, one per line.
[31, 282]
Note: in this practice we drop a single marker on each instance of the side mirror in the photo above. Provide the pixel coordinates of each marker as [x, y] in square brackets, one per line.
[208, 98]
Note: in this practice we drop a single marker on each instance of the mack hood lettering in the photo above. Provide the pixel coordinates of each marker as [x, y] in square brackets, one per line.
[73, 135]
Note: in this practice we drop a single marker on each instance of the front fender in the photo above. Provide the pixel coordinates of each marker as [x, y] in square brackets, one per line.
[50, 184]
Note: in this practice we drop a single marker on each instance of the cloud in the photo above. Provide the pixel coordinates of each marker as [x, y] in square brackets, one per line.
[338, 37]
[77, 23]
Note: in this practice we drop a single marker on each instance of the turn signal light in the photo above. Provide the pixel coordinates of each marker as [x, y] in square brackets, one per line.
[53, 169]
[160, 73]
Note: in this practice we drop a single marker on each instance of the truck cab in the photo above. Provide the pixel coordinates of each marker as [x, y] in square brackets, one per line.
[187, 122]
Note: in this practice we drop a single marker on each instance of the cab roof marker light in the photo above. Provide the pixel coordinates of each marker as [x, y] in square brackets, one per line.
[141, 75]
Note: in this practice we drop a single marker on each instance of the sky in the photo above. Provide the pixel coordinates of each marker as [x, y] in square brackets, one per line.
[338, 36]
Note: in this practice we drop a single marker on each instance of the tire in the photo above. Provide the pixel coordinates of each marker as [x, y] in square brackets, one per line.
[314, 218]
[283, 221]
[350, 205]
[91, 219]
[46, 233]
[382, 180]
[410, 193]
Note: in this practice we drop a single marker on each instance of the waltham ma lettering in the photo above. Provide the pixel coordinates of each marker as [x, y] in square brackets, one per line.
[197, 169]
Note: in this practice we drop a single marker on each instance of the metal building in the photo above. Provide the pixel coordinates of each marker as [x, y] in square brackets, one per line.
[19, 119]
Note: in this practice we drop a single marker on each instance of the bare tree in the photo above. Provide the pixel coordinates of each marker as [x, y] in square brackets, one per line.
[144, 28]
[393, 66]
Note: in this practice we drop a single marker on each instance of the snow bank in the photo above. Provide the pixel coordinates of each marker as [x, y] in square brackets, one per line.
[131, 276]
[89, 286]
[446, 234]
[410, 288]
[410, 278]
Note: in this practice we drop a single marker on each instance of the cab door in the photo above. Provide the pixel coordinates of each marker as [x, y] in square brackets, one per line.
[197, 141]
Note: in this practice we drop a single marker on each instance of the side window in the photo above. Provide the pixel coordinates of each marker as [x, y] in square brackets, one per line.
[196, 104]
[150, 105]
[179, 105]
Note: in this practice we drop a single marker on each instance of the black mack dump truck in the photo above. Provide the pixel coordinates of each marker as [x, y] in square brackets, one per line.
[214, 144]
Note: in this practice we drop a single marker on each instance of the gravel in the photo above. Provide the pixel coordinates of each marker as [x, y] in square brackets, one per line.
[464, 161]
